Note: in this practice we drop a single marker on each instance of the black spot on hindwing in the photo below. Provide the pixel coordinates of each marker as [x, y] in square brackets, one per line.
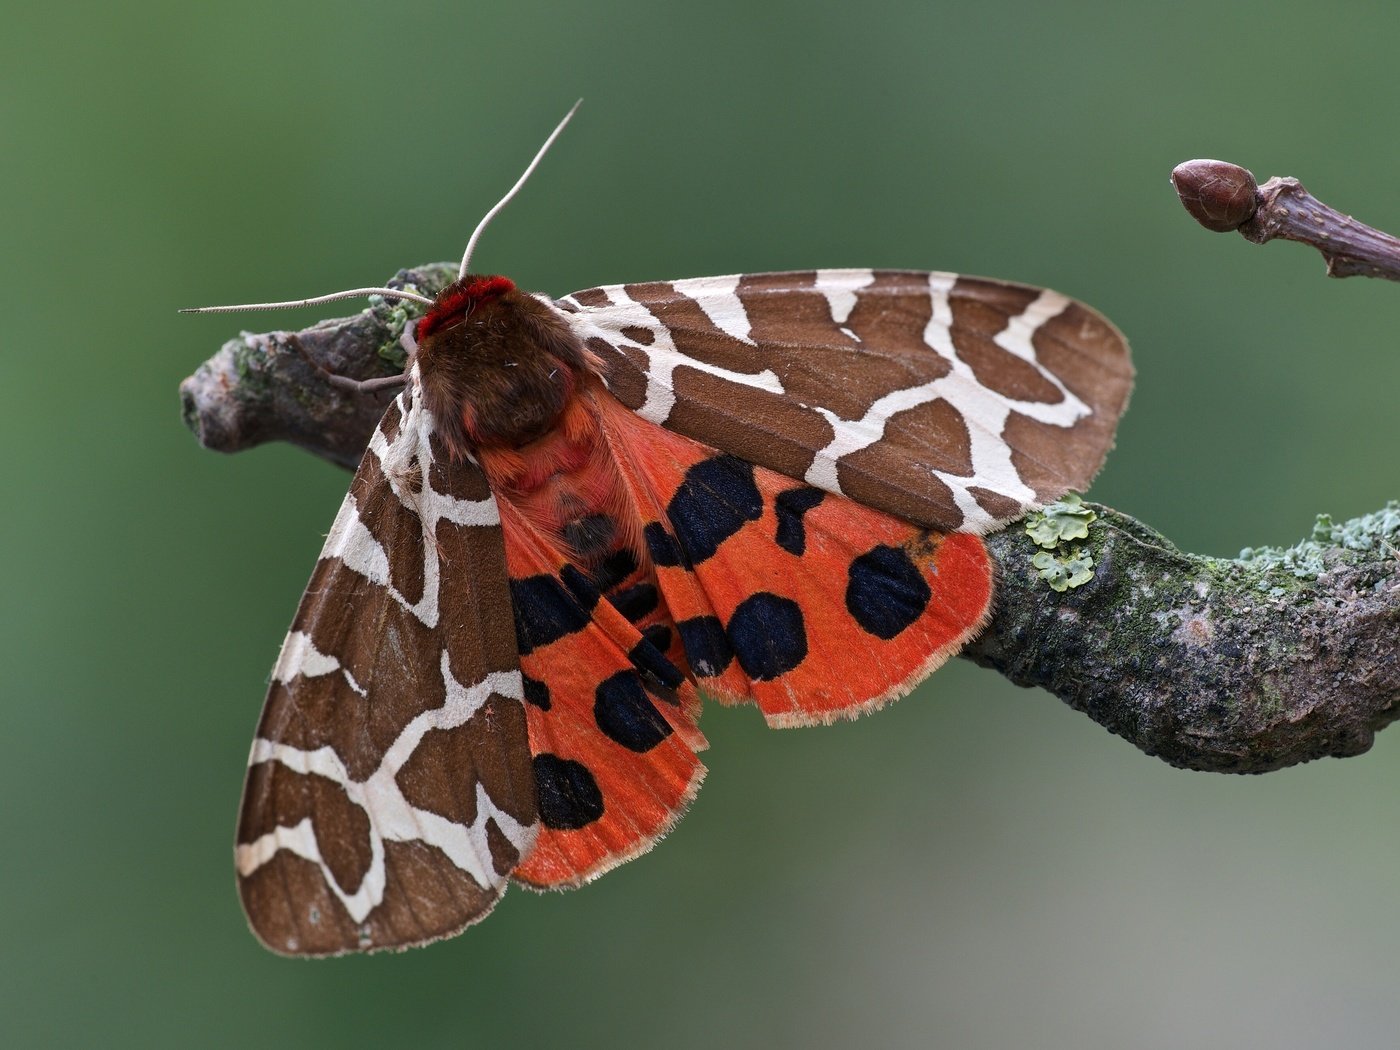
[768, 636]
[886, 592]
[636, 601]
[580, 586]
[647, 657]
[659, 635]
[626, 714]
[567, 795]
[536, 692]
[789, 508]
[706, 646]
[544, 612]
[714, 501]
[662, 546]
[615, 568]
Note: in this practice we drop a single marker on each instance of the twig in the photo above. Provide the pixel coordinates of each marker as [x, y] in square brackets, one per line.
[1230, 665]
[1222, 196]
[276, 386]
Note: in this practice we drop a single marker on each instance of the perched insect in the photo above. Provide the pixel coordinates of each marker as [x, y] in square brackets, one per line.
[580, 515]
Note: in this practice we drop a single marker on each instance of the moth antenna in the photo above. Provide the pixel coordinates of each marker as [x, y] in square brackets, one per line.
[476, 234]
[353, 293]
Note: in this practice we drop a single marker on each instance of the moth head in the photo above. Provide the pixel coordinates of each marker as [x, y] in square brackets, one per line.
[496, 365]
[469, 299]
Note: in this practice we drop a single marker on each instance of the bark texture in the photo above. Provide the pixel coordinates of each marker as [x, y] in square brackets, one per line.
[1229, 665]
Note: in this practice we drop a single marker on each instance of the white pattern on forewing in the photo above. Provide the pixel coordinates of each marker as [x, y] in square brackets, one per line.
[662, 356]
[300, 656]
[407, 463]
[840, 288]
[392, 818]
[408, 456]
[983, 410]
[718, 298]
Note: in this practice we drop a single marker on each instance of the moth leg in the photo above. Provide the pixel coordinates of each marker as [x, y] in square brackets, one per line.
[410, 346]
[356, 386]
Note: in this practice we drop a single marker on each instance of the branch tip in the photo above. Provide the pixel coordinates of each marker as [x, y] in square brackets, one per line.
[1219, 195]
[1222, 196]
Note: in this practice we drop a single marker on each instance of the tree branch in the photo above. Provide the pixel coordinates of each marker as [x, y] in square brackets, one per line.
[274, 386]
[1231, 665]
[1222, 196]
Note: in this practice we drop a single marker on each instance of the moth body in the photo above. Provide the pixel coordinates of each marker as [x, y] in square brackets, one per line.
[512, 385]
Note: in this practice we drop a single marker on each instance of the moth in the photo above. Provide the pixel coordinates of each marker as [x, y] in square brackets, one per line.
[580, 515]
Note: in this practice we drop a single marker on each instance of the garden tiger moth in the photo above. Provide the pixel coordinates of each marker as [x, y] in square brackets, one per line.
[580, 515]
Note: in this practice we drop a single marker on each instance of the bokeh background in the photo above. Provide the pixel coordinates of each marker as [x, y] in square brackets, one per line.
[977, 866]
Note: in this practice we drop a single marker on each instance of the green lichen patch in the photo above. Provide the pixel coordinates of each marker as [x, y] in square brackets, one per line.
[1368, 535]
[1065, 519]
[397, 314]
[1065, 571]
[249, 353]
[1061, 566]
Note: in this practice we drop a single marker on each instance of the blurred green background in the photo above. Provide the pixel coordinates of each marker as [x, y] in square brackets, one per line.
[977, 866]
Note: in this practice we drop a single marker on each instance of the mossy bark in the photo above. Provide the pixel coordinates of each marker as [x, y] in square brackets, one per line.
[1234, 666]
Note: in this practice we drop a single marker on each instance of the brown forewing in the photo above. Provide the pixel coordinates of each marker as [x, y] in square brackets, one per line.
[955, 402]
[389, 791]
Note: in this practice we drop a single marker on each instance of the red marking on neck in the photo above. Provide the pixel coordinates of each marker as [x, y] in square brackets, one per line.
[456, 301]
